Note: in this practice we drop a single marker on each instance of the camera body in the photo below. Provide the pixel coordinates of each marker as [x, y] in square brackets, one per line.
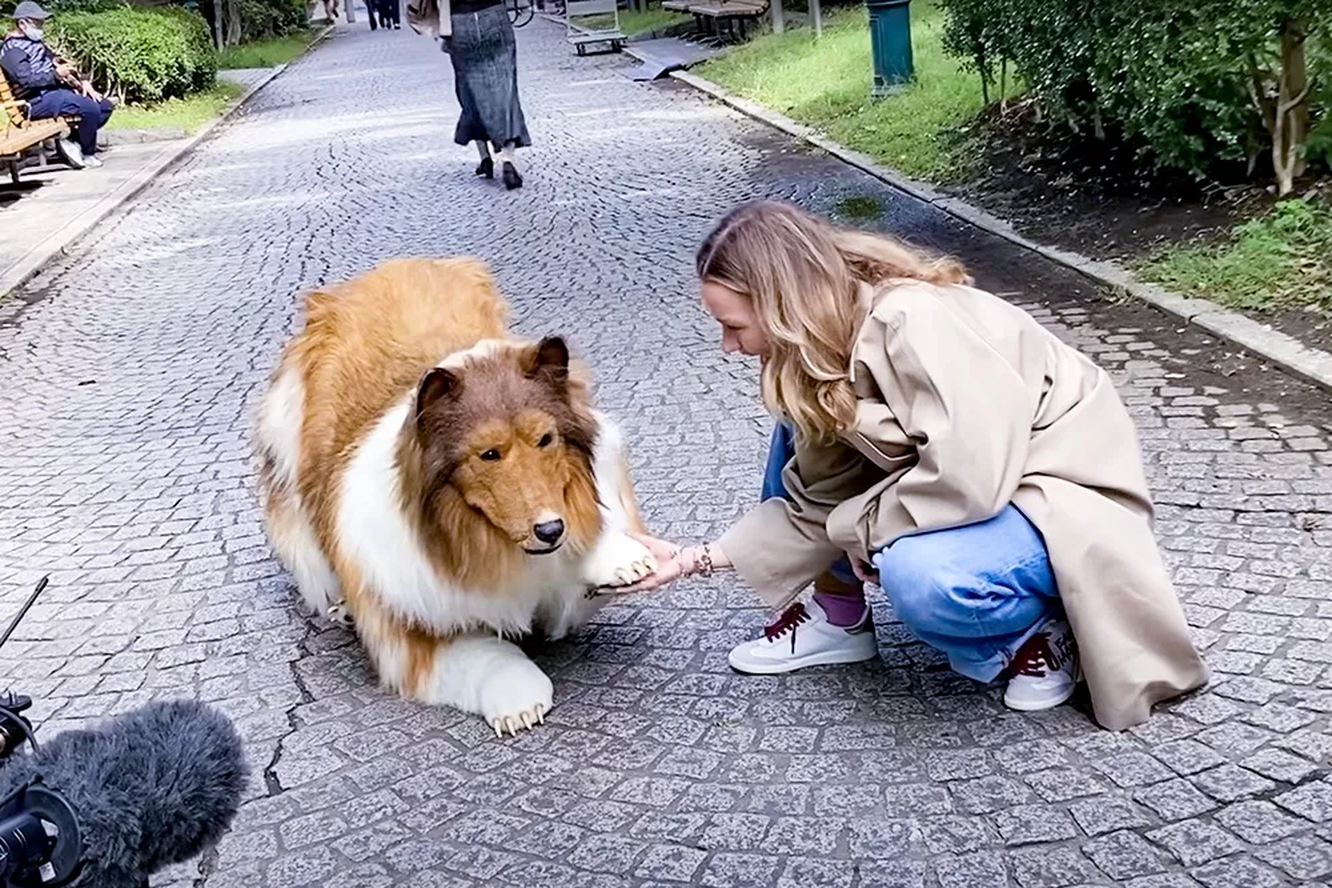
[40, 838]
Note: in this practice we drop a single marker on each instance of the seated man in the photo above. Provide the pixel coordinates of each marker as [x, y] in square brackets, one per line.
[52, 87]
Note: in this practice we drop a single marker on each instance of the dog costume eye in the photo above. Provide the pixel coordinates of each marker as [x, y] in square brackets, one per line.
[546, 440]
[491, 455]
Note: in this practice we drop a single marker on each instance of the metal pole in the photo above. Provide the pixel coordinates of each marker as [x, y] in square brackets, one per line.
[778, 18]
[816, 10]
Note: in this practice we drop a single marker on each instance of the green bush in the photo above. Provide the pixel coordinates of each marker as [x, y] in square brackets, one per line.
[139, 54]
[1175, 77]
[261, 19]
[252, 20]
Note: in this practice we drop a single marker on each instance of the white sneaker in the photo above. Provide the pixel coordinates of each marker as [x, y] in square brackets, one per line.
[92, 161]
[1045, 670]
[73, 154]
[803, 638]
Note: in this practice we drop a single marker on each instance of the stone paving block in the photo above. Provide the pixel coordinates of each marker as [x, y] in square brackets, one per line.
[1195, 842]
[1052, 868]
[1260, 822]
[1229, 783]
[971, 871]
[1304, 857]
[1107, 814]
[1312, 801]
[1238, 872]
[1124, 855]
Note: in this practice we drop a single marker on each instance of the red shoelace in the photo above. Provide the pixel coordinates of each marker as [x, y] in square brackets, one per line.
[792, 617]
[1033, 658]
[1036, 657]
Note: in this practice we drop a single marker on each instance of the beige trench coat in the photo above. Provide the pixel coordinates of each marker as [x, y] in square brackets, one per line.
[967, 404]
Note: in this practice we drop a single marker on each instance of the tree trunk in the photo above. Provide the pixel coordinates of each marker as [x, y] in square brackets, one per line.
[218, 37]
[233, 24]
[1290, 131]
[984, 75]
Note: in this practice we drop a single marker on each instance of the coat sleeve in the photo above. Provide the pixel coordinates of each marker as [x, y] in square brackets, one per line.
[969, 412]
[19, 69]
[781, 546]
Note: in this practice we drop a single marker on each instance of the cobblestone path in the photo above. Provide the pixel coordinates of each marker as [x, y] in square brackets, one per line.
[128, 369]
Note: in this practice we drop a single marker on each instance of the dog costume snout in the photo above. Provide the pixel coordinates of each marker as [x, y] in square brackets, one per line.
[549, 532]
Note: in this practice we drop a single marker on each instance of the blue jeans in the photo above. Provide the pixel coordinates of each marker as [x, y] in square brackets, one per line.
[977, 592]
[93, 114]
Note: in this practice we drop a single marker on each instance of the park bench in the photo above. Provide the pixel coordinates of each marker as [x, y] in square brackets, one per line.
[20, 134]
[711, 16]
[595, 28]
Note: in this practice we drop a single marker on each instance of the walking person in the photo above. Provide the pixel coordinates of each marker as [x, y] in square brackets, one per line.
[937, 440]
[389, 14]
[480, 42]
[52, 86]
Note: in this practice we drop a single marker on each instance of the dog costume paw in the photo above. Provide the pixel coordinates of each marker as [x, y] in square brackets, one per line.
[517, 697]
[619, 560]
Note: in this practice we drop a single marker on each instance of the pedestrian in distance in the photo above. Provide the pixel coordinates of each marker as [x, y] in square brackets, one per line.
[479, 39]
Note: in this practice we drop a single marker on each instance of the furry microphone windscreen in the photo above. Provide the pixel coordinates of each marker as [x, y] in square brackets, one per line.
[151, 788]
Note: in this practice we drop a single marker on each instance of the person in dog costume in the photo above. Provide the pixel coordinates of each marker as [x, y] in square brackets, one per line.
[938, 441]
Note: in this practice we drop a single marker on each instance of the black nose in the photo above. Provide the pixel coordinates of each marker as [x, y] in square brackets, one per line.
[549, 531]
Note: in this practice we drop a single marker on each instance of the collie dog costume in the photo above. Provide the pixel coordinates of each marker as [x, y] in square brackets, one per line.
[443, 484]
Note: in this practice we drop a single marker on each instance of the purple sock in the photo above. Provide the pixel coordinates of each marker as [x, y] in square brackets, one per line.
[842, 610]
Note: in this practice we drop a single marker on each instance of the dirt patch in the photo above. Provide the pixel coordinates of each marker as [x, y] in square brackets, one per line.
[1099, 199]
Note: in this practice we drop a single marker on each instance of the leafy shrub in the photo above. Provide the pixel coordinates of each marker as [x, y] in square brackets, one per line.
[139, 54]
[62, 6]
[1189, 81]
[261, 19]
[246, 21]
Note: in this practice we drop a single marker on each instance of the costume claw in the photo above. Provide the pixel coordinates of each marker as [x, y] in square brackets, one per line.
[541, 714]
[528, 721]
[496, 725]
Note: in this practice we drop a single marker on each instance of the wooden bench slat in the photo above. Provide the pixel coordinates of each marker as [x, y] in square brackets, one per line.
[17, 140]
[596, 37]
[728, 11]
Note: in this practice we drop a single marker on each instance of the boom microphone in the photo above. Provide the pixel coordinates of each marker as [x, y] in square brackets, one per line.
[150, 788]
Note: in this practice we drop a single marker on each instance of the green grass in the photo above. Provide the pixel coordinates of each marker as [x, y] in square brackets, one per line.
[188, 114]
[634, 22]
[1279, 260]
[265, 53]
[826, 84]
[860, 208]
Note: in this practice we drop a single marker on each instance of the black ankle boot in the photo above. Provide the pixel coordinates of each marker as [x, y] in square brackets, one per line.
[486, 168]
[511, 177]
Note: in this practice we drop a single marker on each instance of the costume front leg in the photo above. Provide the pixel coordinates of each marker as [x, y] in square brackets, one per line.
[487, 676]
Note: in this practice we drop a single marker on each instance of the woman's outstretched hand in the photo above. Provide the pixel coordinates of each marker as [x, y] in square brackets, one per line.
[669, 567]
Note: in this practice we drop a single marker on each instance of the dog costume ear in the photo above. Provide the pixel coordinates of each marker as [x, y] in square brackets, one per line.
[550, 359]
[437, 383]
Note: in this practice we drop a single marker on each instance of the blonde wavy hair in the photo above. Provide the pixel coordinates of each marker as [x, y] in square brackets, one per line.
[803, 276]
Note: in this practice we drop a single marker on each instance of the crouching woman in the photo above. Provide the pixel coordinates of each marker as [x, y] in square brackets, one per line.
[986, 470]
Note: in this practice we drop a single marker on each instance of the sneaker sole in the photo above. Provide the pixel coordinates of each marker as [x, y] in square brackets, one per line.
[1042, 705]
[1039, 705]
[830, 658]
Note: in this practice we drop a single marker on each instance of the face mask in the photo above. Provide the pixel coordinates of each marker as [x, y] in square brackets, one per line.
[31, 31]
